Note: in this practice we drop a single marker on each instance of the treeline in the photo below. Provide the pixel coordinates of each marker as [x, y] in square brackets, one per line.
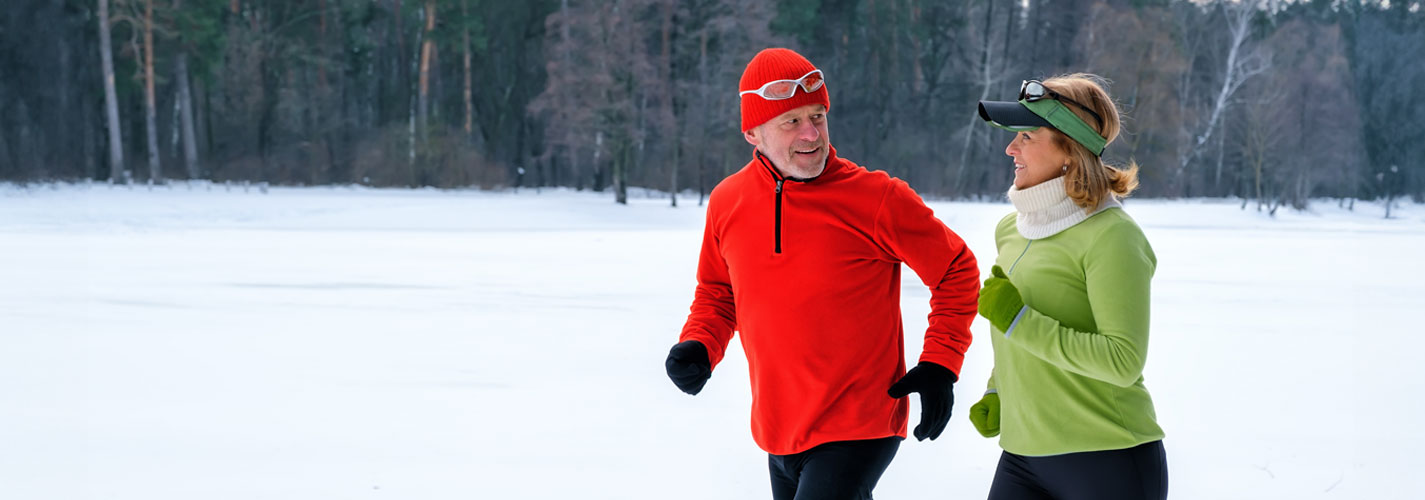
[1270, 101]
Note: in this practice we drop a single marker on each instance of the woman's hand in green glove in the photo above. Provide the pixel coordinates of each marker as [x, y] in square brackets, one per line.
[985, 415]
[999, 300]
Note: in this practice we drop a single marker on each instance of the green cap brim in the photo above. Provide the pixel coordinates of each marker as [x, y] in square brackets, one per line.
[1024, 115]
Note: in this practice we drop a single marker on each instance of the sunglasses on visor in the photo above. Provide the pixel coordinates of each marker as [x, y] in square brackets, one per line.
[1034, 90]
[777, 90]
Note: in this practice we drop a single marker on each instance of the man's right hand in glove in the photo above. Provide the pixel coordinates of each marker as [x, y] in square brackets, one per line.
[935, 384]
[688, 366]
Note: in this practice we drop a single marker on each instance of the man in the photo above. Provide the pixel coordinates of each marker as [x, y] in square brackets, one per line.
[802, 254]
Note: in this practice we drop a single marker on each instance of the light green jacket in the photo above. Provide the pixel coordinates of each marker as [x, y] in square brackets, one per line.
[1070, 371]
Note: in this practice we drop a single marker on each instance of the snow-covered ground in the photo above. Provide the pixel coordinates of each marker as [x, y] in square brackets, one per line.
[196, 342]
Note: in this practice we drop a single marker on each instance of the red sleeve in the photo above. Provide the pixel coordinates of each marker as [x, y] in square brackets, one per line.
[910, 231]
[713, 316]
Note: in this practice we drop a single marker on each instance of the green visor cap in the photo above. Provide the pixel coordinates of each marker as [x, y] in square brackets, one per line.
[1024, 115]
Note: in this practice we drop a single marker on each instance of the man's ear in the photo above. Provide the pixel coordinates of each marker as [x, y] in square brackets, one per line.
[752, 137]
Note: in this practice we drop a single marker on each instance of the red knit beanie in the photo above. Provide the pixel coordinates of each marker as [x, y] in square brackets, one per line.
[776, 64]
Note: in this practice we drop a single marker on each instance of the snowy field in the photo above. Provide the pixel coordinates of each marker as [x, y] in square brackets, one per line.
[199, 343]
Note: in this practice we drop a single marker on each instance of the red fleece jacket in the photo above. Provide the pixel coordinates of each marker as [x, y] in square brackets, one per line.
[809, 272]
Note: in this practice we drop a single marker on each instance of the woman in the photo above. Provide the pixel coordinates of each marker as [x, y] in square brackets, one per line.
[1068, 303]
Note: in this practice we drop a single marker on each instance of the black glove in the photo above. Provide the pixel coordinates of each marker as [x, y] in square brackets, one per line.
[935, 384]
[688, 366]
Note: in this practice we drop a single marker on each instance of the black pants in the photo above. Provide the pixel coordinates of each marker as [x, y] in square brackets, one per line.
[1137, 473]
[837, 470]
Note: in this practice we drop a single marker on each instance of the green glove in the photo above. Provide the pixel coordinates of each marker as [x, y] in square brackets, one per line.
[999, 300]
[985, 415]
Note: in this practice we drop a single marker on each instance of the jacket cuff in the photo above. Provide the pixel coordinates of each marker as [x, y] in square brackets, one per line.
[950, 360]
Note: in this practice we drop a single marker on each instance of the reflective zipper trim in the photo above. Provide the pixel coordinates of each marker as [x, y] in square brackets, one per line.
[1016, 259]
[1010, 272]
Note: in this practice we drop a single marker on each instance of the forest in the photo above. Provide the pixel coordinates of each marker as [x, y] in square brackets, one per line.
[1273, 102]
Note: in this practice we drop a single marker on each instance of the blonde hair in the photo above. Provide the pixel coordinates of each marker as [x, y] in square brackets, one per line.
[1088, 179]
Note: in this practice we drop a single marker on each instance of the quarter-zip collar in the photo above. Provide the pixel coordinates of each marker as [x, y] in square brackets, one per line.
[835, 167]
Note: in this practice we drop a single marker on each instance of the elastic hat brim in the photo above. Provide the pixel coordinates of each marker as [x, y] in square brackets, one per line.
[1011, 114]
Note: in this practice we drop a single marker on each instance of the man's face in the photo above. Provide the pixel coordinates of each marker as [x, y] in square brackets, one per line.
[796, 141]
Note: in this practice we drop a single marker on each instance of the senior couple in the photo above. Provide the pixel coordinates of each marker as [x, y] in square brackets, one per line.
[801, 255]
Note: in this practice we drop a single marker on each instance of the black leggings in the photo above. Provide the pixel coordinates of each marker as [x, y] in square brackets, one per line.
[1137, 473]
[832, 471]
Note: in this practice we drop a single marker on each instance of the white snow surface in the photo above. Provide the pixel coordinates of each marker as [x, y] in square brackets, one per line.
[204, 342]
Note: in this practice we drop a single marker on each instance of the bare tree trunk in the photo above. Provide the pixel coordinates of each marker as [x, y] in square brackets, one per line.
[469, 81]
[1240, 67]
[701, 137]
[185, 99]
[328, 130]
[111, 100]
[411, 98]
[322, 48]
[599, 132]
[1257, 171]
[91, 165]
[917, 49]
[569, 132]
[1221, 152]
[175, 122]
[622, 159]
[427, 48]
[8, 160]
[403, 66]
[986, 80]
[669, 117]
[155, 169]
[598, 148]
[202, 118]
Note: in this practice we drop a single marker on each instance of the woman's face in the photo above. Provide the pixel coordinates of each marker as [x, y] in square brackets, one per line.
[1036, 157]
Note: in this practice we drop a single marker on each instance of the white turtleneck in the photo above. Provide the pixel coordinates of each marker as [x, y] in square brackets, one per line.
[1046, 209]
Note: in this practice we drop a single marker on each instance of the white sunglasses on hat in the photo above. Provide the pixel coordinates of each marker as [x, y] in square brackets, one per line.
[777, 90]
